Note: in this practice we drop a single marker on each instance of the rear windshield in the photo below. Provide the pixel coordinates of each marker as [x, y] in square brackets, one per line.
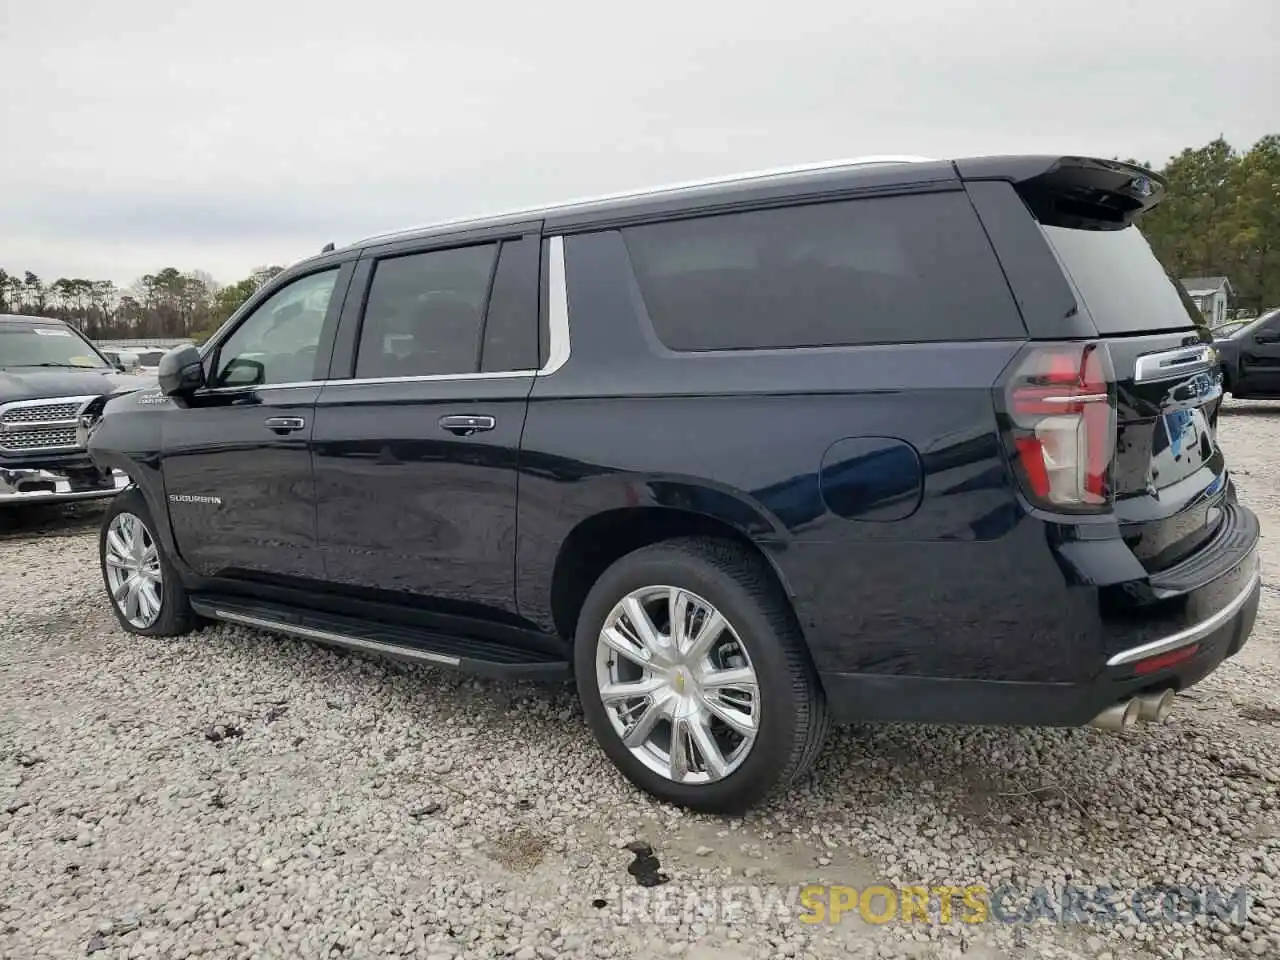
[1122, 283]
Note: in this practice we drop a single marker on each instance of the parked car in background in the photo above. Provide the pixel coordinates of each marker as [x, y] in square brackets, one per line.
[1250, 356]
[891, 440]
[149, 360]
[50, 377]
[126, 361]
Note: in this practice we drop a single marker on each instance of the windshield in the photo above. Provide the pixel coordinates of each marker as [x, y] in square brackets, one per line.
[1123, 285]
[41, 345]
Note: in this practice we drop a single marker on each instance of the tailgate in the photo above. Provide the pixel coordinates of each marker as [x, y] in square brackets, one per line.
[1169, 477]
[1169, 474]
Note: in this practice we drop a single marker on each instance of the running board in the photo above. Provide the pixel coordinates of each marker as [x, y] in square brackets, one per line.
[483, 658]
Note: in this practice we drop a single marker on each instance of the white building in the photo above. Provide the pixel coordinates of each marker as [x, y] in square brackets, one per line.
[1211, 295]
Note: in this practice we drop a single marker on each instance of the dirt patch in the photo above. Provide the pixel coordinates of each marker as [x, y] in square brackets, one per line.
[520, 851]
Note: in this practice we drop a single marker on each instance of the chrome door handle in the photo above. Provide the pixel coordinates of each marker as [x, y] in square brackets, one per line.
[285, 424]
[464, 426]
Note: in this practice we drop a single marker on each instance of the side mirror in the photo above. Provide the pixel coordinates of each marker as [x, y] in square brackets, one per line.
[181, 372]
[126, 362]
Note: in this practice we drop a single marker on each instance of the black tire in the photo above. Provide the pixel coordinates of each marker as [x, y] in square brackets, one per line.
[176, 616]
[794, 719]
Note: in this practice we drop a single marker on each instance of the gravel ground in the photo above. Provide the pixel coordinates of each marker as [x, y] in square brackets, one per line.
[232, 794]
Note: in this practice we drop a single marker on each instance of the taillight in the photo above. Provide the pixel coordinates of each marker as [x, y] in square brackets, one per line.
[1061, 407]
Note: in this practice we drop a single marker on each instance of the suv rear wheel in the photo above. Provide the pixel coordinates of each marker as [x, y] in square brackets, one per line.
[694, 678]
[146, 594]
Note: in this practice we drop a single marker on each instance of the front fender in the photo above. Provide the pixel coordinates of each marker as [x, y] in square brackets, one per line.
[129, 436]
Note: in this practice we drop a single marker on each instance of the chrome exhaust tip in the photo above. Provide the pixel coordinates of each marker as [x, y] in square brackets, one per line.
[1155, 707]
[1118, 716]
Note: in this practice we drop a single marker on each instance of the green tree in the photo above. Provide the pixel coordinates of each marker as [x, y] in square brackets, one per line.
[1219, 218]
[35, 294]
[1252, 232]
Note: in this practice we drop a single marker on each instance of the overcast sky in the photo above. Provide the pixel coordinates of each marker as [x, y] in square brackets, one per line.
[223, 135]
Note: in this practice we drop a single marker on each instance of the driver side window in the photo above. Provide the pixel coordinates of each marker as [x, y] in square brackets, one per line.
[277, 343]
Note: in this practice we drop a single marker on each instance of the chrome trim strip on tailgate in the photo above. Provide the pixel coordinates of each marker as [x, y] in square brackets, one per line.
[1195, 632]
[1172, 363]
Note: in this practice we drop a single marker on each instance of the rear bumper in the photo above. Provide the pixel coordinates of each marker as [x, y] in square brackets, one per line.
[875, 697]
[40, 485]
[1196, 629]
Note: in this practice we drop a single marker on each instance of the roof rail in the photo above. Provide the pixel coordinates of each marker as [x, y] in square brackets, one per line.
[663, 188]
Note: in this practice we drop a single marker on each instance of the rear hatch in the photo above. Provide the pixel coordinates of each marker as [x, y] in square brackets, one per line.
[1147, 388]
[1168, 472]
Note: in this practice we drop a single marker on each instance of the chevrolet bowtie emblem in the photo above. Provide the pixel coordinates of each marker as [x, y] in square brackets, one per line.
[679, 681]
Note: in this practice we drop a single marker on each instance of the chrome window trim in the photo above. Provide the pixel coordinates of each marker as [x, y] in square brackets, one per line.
[430, 378]
[557, 309]
[557, 356]
[365, 381]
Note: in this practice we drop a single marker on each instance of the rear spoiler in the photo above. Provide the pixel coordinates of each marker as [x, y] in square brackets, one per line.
[1081, 192]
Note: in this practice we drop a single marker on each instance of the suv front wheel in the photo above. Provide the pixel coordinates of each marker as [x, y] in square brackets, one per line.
[694, 677]
[146, 594]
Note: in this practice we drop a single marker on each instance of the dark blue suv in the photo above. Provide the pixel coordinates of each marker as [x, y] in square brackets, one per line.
[894, 439]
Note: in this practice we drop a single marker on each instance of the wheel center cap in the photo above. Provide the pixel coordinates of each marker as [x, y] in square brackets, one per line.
[678, 681]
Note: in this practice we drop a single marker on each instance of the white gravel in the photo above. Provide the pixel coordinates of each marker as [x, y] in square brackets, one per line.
[233, 794]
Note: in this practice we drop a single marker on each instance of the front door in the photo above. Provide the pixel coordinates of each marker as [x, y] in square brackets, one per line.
[417, 433]
[237, 459]
[1260, 360]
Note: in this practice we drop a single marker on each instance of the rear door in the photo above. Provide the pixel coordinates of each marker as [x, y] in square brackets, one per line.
[1259, 350]
[1082, 270]
[417, 433]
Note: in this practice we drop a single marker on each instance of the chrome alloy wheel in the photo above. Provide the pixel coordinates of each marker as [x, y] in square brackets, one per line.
[677, 685]
[133, 570]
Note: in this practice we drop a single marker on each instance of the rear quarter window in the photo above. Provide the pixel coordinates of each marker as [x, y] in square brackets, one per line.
[1121, 282]
[905, 269]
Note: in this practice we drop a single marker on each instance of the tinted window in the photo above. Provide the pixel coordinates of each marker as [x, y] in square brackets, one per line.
[277, 343]
[424, 313]
[511, 327]
[1268, 322]
[1123, 285]
[884, 270]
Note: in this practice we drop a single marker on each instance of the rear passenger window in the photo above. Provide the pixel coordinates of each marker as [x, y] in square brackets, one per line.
[511, 327]
[884, 270]
[425, 313]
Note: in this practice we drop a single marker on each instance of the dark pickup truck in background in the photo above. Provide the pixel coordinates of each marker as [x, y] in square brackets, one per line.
[50, 378]
[1250, 354]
